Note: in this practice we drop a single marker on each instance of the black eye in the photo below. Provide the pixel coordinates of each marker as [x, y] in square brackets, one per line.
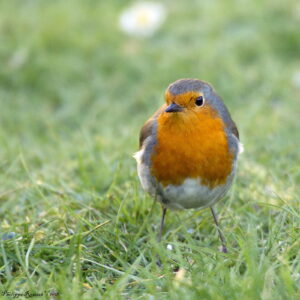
[199, 101]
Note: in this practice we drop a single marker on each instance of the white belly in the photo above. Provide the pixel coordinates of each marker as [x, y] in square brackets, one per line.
[192, 194]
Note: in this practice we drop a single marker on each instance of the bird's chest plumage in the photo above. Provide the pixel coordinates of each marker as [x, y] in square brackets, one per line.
[191, 149]
[187, 162]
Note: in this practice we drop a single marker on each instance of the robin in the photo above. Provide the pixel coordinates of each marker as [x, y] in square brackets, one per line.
[189, 150]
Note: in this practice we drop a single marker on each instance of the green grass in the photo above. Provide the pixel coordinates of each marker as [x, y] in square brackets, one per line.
[74, 91]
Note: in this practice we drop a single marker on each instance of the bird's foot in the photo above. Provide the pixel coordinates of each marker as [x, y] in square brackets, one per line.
[158, 262]
[223, 249]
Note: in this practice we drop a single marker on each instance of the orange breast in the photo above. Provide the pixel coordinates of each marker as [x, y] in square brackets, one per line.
[191, 145]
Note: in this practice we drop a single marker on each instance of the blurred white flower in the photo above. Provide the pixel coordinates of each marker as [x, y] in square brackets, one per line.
[143, 18]
[170, 247]
[296, 79]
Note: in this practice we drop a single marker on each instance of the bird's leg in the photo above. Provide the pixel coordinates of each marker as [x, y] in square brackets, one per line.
[164, 210]
[222, 238]
[162, 221]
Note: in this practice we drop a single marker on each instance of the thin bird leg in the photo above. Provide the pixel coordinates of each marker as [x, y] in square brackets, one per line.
[222, 238]
[164, 210]
[162, 221]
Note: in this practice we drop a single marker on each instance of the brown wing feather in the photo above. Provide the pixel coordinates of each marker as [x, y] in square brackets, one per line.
[148, 126]
[234, 130]
[146, 131]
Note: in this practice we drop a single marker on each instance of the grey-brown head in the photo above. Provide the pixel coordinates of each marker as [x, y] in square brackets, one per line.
[195, 94]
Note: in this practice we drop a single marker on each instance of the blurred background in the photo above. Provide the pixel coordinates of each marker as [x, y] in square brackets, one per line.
[77, 81]
[79, 78]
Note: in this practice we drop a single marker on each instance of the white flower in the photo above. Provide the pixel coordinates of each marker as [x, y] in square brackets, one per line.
[170, 247]
[143, 18]
[296, 79]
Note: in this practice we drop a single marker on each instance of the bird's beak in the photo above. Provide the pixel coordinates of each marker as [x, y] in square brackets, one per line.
[174, 108]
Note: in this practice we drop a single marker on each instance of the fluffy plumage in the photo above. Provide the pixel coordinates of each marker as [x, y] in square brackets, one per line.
[188, 159]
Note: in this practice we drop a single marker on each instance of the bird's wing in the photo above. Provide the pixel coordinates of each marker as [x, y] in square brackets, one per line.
[238, 146]
[146, 130]
[234, 130]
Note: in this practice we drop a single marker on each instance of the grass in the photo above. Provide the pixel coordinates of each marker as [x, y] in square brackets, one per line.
[74, 92]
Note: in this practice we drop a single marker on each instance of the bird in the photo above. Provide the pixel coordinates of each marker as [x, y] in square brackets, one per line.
[188, 151]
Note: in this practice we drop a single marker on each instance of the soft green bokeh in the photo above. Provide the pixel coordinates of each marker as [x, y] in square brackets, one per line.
[74, 91]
